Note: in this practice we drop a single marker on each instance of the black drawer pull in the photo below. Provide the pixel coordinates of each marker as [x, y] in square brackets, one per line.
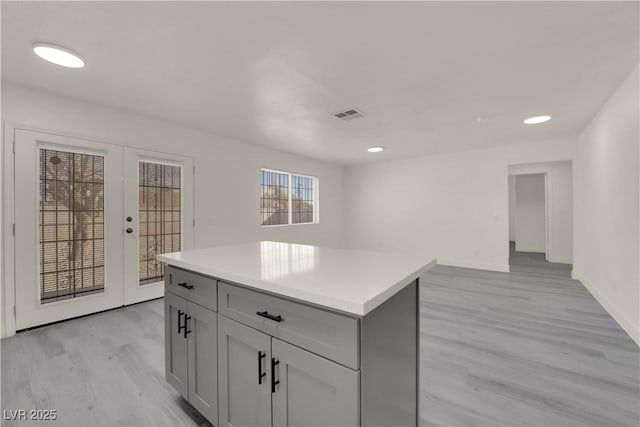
[274, 382]
[185, 285]
[187, 331]
[266, 314]
[261, 355]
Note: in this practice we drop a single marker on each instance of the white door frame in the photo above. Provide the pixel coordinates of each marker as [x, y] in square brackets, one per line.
[535, 170]
[7, 291]
[547, 217]
[7, 258]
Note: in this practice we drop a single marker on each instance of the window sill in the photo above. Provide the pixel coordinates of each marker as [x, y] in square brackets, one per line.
[288, 225]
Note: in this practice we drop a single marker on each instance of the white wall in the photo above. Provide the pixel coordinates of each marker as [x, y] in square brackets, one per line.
[607, 210]
[530, 213]
[560, 199]
[227, 170]
[454, 206]
[561, 212]
[512, 208]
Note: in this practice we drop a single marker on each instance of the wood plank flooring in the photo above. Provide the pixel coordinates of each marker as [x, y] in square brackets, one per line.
[100, 370]
[530, 348]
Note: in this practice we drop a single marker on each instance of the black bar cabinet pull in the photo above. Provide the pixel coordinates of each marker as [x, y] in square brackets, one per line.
[261, 355]
[274, 382]
[266, 314]
[185, 285]
[187, 331]
[180, 325]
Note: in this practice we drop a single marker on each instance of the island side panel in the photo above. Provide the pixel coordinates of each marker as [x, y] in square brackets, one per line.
[389, 361]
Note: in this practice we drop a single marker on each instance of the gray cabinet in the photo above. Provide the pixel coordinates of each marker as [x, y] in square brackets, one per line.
[244, 375]
[191, 341]
[202, 354]
[264, 381]
[312, 391]
[246, 358]
[176, 364]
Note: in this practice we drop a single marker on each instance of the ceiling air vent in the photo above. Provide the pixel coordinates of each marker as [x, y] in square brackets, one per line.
[349, 114]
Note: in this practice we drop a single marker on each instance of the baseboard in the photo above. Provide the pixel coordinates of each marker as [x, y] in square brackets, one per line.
[629, 326]
[475, 265]
[561, 260]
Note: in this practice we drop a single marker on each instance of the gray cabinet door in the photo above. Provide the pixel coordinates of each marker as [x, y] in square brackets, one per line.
[203, 361]
[313, 391]
[175, 309]
[243, 353]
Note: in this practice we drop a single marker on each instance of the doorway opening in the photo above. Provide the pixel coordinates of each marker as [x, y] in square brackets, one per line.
[540, 214]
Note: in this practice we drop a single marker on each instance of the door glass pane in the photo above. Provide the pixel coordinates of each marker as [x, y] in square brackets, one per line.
[159, 217]
[71, 232]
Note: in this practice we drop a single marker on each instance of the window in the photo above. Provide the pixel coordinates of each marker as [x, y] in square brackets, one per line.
[159, 211]
[71, 224]
[287, 198]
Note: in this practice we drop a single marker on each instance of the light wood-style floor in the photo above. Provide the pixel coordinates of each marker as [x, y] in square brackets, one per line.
[531, 347]
[105, 369]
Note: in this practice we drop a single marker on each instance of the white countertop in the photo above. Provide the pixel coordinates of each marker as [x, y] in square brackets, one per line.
[348, 280]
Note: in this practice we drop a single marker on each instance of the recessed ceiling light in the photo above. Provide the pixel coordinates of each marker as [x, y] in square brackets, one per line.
[537, 119]
[58, 55]
[375, 149]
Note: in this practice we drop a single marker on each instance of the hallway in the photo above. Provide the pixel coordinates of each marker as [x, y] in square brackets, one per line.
[535, 263]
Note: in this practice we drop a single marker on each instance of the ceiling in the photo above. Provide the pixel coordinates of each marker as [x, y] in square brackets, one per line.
[275, 73]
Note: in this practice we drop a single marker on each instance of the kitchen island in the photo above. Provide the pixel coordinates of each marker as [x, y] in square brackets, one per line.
[279, 334]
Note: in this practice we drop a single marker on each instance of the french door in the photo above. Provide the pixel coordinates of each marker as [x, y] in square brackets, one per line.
[90, 218]
[158, 202]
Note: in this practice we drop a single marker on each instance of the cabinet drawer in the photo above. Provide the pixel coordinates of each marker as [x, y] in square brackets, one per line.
[328, 334]
[191, 286]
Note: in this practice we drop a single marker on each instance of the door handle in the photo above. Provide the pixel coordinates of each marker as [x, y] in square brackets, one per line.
[261, 355]
[185, 285]
[187, 331]
[180, 325]
[129, 230]
[266, 314]
[274, 382]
